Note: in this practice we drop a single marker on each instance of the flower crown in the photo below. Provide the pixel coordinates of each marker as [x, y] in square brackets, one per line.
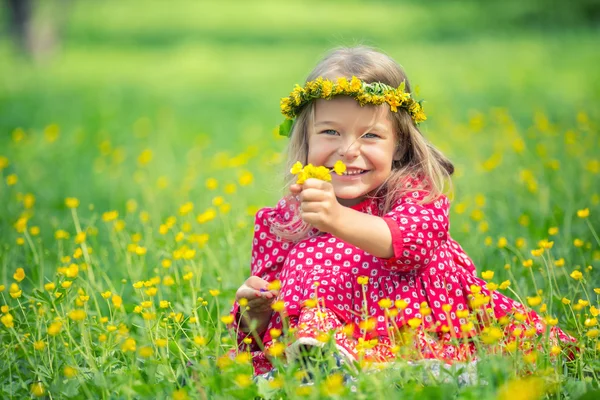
[365, 93]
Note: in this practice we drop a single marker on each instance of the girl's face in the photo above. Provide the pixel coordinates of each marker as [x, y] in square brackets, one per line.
[362, 137]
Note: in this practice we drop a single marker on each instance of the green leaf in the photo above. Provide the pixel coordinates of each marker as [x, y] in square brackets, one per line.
[286, 127]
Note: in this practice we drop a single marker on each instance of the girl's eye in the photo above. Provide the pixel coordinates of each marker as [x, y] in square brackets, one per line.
[329, 132]
[370, 135]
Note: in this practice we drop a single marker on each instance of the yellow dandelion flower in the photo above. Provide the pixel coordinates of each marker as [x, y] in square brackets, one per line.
[339, 167]
[528, 263]
[37, 389]
[589, 322]
[491, 335]
[71, 202]
[19, 275]
[577, 275]
[565, 301]
[117, 301]
[77, 315]
[278, 306]
[385, 303]
[593, 333]
[69, 372]
[164, 304]
[583, 213]
[128, 345]
[552, 230]
[274, 285]
[14, 291]
[12, 179]
[578, 243]
[333, 385]
[537, 252]
[487, 275]
[160, 342]
[55, 328]
[243, 380]
[227, 319]
[7, 320]
[246, 178]
[502, 242]
[534, 301]
[200, 340]
[276, 350]
[180, 394]
[414, 322]
[362, 280]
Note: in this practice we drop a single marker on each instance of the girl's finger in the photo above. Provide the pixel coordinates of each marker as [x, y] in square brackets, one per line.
[295, 189]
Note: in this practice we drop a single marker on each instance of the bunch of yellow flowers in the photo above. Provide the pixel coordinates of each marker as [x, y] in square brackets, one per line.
[321, 172]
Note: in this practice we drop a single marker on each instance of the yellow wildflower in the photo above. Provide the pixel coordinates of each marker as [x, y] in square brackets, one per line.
[128, 345]
[19, 275]
[577, 275]
[69, 372]
[7, 320]
[414, 322]
[117, 301]
[583, 213]
[278, 306]
[593, 333]
[37, 389]
[77, 315]
[200, 340]
[385, 303]
[339, 167]
[534, 301]
[504, 284]
[487, 275]
[276, 349]
[14, 291]
[71, 202]
[54, 328]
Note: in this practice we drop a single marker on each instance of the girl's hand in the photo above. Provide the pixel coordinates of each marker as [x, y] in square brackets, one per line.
[318, 204]
[255, 290]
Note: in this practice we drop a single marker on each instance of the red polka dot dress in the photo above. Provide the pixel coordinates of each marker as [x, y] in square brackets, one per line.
[415, 305]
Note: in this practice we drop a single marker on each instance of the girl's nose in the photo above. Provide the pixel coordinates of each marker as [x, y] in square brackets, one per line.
[349, 150]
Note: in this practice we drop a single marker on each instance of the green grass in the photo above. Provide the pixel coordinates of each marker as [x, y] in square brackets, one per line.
[199, 86]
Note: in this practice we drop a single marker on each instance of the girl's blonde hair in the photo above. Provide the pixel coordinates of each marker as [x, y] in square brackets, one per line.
[417, 157]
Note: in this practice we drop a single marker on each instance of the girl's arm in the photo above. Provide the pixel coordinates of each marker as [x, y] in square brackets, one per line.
[407, 236]
[367, 232]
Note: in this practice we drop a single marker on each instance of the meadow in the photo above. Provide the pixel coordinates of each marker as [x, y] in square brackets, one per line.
[134, 158]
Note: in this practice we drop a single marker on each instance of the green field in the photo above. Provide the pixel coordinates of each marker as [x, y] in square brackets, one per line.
[142, 104]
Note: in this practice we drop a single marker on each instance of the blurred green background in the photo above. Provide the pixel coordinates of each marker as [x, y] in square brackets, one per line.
[198, 83]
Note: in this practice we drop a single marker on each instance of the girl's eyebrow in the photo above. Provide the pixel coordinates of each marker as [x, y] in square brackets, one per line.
[374, 128]
[326, 123]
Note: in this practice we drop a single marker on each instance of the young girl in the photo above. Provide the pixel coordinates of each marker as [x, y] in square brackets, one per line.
[367, 257]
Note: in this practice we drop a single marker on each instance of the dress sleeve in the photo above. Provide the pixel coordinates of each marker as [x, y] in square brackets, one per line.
[417, 231]
[269, 251]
